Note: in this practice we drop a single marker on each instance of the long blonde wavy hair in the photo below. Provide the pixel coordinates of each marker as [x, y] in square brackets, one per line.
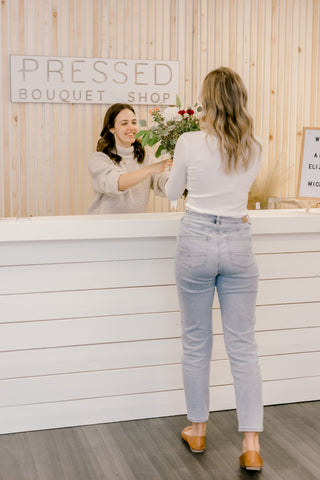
[224, 100]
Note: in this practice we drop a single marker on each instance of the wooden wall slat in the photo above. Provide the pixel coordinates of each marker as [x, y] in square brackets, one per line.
[21, 145]
[39, 416]
[132, 300]
[16, 336]
[14, 120]
[284, 173]
[129, 407]
[108, 383]
[301, 71]
[92, 275]
[5, 152]
[35, 253]
[148, 353]
[316, 42]
[273, 44]
[1, 122]
[281, 86]
[64, 157]
[314, 100]
[210, 22]
[293, 154]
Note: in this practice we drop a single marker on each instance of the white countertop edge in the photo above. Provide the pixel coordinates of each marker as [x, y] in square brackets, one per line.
[84, 227]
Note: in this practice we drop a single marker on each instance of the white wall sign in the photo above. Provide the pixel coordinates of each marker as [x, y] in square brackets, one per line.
[309, 173]
[39, 79]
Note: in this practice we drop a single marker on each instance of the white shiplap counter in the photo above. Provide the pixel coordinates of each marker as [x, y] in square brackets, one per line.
[89, 326]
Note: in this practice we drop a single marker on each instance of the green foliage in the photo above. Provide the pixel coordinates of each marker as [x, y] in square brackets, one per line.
[168, 125]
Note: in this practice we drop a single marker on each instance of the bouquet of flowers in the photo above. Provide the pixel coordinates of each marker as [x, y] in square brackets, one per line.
[168, 125]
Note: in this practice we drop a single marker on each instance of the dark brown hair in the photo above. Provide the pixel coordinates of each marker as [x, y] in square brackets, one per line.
[106, 142]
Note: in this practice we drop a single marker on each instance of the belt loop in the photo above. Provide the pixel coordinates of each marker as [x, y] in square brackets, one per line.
[245, 219]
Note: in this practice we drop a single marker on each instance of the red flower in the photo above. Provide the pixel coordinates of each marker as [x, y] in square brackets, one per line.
[182, 112]
[190, 111]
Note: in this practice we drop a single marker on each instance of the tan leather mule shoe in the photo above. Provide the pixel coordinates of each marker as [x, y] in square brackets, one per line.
[251, 460]
[197, 443]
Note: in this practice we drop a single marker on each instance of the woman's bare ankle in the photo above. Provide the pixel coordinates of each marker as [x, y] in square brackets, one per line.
[250, 441]
[199, 428]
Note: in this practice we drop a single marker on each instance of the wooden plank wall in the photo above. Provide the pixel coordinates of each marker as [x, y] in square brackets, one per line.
[90, 330]
[273, 44]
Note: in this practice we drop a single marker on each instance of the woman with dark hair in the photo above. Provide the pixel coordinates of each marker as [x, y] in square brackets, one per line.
[218, 165]
[121, 174]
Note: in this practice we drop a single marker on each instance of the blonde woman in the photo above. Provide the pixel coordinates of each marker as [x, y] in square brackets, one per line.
[218, 166]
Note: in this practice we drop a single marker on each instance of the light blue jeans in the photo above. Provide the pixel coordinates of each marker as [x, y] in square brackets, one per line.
[216, 253]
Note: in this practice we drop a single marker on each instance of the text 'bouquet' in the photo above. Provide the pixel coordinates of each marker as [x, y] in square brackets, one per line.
[168, 125]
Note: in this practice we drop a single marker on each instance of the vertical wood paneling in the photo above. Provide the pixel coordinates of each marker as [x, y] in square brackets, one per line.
[233, 30]
[291, 65]
[28, 48]
[281, 86]
[79, 25]
[21, 145]
[203, 42]
[314, 105]
[268, 97]
[6, 111]
[96, 118]
[252, 86]
[286, 91]
[274, 98]
[210, 44]
[14, 123]
[1, 129]
[301, 68]
[273, 44]
[317, 120]
[60, 18]
[144, 40]
[1, 126]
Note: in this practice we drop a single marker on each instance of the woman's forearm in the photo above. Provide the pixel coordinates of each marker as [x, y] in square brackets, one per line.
[127, 180]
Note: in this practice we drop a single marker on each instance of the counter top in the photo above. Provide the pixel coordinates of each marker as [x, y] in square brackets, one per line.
[82, 227]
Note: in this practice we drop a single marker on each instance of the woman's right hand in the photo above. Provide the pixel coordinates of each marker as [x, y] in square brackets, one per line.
[128, 180]
[160, 167]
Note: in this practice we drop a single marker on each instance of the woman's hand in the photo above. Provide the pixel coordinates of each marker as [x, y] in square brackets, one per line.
[127, 180]
[160, 167]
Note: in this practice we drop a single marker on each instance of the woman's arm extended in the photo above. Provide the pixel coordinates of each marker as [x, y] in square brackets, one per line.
[127, 180]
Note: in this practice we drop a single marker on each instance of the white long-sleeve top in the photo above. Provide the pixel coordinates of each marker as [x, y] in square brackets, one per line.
[105, 175]
[197, 166]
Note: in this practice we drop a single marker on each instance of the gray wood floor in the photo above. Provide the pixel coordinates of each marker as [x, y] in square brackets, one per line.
[152, 449]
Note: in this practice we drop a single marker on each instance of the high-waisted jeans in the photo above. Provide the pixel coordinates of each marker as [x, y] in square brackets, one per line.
[215, 253]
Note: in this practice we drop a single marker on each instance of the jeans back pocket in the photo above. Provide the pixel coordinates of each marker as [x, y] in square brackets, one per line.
[193, 249]
[240, 250]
